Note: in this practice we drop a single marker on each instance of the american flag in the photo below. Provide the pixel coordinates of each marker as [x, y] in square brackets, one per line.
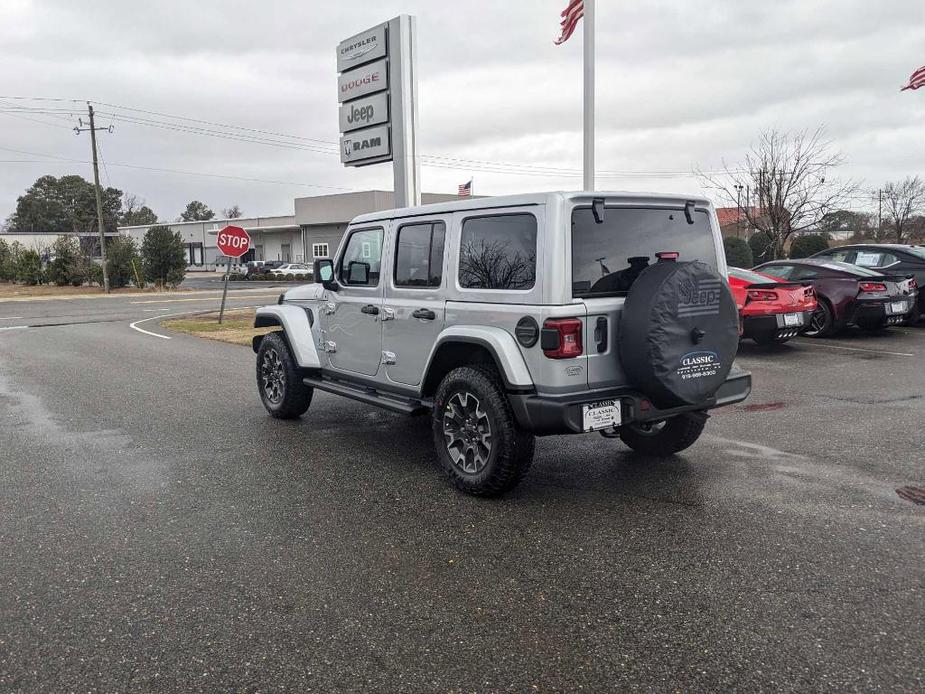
[570, 16]
[465, 189]
[917, 80]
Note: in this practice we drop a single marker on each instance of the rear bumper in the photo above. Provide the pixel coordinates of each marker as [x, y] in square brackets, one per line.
[773, 325]
[544, 415]
[874, 311]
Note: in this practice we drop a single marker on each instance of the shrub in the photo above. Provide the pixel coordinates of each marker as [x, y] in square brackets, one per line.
[66, 265]
[94, 273]
[6, 265]
[810, 244]
[29, 268]
[236, 277]
[163, 256]
[121, 252]
[738, 252]
[762, 247]
[290, 277]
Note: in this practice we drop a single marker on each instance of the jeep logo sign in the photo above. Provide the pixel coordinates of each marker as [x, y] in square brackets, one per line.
[363, 145]
[361, 113]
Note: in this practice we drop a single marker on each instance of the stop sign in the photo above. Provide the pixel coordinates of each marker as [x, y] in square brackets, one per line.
[233, 241]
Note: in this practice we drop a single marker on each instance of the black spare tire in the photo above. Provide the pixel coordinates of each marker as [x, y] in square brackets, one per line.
[679, 333]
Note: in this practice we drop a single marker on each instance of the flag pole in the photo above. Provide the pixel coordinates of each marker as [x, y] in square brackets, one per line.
[589, 96]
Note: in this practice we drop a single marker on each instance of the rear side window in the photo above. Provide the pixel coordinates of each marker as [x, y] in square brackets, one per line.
[607, 258]
[419, 255]
[875, 259]
[498, 252]
[360, 263]
[781, 271]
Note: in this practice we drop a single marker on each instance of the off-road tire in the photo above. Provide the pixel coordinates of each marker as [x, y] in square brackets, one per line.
[294, 396]
[511, 451]
[678, 433]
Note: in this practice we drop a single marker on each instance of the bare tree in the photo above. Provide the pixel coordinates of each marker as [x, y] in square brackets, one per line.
[902, 202]
[789, 176]
[495, 265]
[233, 212]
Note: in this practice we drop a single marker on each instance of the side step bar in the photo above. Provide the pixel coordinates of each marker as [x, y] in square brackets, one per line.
[394, 403]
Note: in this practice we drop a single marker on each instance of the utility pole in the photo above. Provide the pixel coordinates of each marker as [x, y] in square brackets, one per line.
[738, 187]
[99, 195]
[880, 214]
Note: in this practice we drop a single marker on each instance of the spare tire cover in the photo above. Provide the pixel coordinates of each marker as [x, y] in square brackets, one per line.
[679, 333]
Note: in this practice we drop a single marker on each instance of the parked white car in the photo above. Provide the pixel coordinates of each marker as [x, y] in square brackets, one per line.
[297, 269]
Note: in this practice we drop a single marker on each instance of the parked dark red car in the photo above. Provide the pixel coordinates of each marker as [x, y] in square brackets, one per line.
[772, 311]
[847, 294]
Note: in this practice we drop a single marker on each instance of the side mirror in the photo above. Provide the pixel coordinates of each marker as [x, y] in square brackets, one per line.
[357, 272]
[323, 272]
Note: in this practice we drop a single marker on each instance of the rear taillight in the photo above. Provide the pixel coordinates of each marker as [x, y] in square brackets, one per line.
[561, 338]
[761, 295]
[872, 286]
[809, 292]
[913, 284]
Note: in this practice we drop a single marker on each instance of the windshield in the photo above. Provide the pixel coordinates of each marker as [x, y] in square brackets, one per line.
[607, 258]
[856, 270]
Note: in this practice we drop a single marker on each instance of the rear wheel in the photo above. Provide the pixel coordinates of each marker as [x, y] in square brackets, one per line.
[822, 322]
[480, 446]
[666, 437]
[282, 391]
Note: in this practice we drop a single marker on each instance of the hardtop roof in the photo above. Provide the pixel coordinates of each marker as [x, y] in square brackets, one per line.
[524, 199]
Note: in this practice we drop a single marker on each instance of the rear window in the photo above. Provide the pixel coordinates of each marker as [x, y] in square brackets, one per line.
[749, 276]
[607, 258]
[918, 251]
[498, 252]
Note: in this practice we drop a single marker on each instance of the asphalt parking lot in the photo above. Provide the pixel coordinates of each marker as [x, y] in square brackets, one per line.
[160, 533]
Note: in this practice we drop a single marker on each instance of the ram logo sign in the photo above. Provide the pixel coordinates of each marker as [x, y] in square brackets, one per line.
[363, 145]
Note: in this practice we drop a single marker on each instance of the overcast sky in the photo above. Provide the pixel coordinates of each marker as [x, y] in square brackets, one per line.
[680, 85]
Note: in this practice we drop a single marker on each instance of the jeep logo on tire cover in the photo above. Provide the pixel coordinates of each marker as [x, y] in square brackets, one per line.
[699, 297]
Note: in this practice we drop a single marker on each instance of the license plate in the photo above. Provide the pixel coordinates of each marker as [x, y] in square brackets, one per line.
[600, 415]
[899, 307]
[793, 319]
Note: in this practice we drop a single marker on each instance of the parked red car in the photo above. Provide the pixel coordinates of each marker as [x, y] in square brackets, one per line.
[848, 294]
[772, 311]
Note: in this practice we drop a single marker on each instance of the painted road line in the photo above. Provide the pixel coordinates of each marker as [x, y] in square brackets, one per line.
[134, 326]
[15, 327]
[175, 301]
[855, 349]
[11, 318]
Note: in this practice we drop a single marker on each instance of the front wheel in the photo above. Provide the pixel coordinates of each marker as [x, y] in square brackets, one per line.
[480, 446]
[282, 391]
[666, 437]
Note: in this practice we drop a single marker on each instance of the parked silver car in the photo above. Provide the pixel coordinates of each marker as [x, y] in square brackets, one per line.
[511, 317]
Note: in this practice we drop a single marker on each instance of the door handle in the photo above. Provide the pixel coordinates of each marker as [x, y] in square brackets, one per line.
[370, 310]
[424, 314]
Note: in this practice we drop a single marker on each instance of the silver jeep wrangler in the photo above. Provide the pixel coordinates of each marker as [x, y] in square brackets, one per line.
[513, 317]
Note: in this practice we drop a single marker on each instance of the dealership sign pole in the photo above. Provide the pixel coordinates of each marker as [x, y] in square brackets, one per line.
[232, 242]
[377, 93]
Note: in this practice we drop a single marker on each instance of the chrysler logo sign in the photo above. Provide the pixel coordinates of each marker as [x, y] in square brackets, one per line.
[362, 48]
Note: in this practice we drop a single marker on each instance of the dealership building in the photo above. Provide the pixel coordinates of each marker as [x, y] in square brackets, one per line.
[313, 231]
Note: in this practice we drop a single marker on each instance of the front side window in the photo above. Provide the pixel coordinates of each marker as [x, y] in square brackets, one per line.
[359, 266]
[608, 257]
[419, 255]
[498, 252]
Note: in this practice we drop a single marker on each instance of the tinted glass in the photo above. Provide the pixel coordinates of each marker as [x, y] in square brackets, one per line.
[749, 276]
[918, 251]
[362, 258]
[607, 258]
[782, 271]
[498, 252]
[850, 269]
[419, 255]
[840, 255]
[874, 259]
